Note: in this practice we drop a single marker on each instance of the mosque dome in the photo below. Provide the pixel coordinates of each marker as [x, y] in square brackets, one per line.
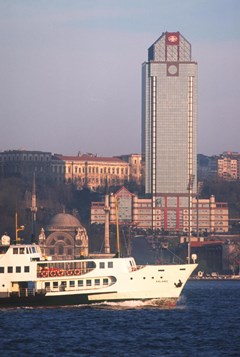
[63, 221]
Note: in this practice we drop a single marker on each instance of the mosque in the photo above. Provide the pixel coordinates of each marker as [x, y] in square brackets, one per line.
[64, 238]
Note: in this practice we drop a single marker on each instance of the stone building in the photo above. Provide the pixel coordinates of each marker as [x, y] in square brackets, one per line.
[135, 169]
[86, 170]
[64, 238]
[22, 163]
[91, 171]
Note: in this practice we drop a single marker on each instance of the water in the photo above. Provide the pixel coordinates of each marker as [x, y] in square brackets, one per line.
[206, 322]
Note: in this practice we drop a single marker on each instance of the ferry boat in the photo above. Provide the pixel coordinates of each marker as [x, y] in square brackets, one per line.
[27, 278]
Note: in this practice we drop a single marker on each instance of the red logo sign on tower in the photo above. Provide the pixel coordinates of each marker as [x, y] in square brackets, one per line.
[172, 38]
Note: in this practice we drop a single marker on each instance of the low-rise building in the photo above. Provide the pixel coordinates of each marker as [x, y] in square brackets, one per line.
[23, 163]
[228, 168]
[207, 215]
[86, 170]
[135, 163]
[93, 171]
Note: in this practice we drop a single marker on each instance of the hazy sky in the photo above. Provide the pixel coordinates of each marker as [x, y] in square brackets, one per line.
[70, 71]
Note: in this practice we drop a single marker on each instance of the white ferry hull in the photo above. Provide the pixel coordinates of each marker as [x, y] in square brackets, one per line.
[52, 283]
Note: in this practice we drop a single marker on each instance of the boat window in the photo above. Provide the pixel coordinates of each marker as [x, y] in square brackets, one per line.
[47, 285]
[15, 250]
[182, 268]
[33, 250]
[10, 269]
[55, 284]
[18, 269]
[97, 281]
[105, 281]
[72, 283]
[102, 265]
[110, 264]
[26, 269]
[27, 251]
[91, 265]
[63, 283]
[89, 282]
[80, 283]
[21, 250]
[2, 270]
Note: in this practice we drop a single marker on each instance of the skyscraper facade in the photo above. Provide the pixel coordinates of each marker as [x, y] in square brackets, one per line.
[169, 129]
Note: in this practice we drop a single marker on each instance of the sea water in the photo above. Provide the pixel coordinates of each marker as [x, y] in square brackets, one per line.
[205, 322]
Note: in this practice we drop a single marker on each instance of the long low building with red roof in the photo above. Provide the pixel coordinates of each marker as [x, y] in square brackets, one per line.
[91, 170]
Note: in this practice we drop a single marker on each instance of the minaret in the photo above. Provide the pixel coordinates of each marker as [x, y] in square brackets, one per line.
[34, 208]
[106, 240]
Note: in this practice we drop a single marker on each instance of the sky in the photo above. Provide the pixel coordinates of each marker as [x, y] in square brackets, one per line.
[70, 72]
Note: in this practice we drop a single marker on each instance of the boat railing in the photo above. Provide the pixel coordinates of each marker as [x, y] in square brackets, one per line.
[55, 272]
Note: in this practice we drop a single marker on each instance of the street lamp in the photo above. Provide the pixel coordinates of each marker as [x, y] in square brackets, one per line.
[17, 229]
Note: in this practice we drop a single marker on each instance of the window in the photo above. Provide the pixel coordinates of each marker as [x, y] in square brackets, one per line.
[55, 284]
[72, 283]
[110, 264]
[102, 265]
[18, 269]
[97, 281]
[105, 281]
[15, 250]
[60, 249]
[10, 269]
[63, 285]
[2, 270]
[26, 269]
[47, 286]
[21, 250]
[89, 282]
[80, 283]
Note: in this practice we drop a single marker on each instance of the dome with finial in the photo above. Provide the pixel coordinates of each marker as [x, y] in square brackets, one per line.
[63, 221]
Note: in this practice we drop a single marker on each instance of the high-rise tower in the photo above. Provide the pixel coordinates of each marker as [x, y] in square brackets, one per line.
[169, 129]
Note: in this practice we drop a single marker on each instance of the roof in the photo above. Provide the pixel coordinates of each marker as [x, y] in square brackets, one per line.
[90, 158]
[201, 244]
[64, 220]
[123, 189]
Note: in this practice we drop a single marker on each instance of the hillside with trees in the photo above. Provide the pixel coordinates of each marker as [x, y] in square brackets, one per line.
[15, 195]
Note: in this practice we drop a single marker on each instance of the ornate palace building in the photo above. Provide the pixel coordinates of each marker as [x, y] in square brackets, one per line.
[91, 171]
[87, 170]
